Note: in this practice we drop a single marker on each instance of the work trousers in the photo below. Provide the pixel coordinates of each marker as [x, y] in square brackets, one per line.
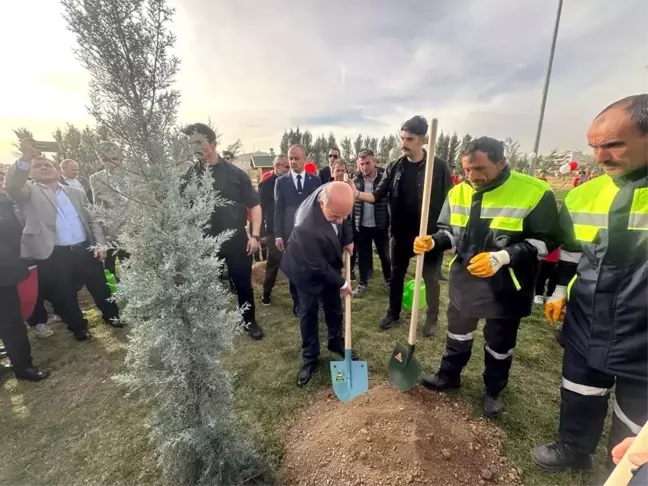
[12, 329]
[272, 265]
[546, 278]
[239, 270]
[402, 250]
[500, 336]
[308, 321]
[584, 404]
[363, 239]
[59, 279]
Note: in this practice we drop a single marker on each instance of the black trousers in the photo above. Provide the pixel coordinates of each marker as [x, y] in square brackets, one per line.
[402, 250]
[584, 404]
[546, 277]
[12, 329]
[308, 321]
[363, 239]
[500, 336]
[112, 255]
[272, 265]
[62, 275]
[239, 269]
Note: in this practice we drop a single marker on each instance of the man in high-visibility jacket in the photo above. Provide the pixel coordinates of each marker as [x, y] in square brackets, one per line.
[502, 223]
[603, 269]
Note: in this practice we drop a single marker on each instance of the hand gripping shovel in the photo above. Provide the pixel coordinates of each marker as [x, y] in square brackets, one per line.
[623, 471]
[403, 369]
[350, 378]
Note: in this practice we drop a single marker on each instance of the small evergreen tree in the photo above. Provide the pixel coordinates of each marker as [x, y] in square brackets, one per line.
[179, 313]
[453, 150]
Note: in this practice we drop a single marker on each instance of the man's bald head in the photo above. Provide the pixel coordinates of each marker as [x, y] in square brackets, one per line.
[297, 158]
[69, 169]
[336, 201]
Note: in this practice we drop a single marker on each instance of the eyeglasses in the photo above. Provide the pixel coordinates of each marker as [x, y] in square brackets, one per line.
[334, 156]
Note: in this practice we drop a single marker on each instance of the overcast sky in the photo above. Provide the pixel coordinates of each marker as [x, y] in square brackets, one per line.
[256, 68]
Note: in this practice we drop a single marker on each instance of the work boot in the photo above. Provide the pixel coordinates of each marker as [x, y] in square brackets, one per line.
[492, 405]
[254, 330]
[441, 382]
[266, 299]
[389, 321]
[430, 327]
[558, 456]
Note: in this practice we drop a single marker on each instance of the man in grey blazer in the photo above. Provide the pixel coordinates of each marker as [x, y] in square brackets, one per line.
[58, 234]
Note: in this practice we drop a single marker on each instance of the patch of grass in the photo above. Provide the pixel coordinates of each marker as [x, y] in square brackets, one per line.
[78, 428]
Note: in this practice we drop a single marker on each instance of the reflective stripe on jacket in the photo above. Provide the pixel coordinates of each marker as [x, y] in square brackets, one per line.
[517, 213]
[606, 221]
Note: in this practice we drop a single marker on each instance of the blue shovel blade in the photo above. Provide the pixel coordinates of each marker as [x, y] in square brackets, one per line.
[350, 378]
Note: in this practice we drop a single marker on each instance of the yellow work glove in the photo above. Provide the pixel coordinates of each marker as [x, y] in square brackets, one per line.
[554, 308]
[422, 245]
[488, 263]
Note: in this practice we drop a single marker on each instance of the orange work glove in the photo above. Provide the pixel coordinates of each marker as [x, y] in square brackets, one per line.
[422, 245]
[488, 263]
[554, 308]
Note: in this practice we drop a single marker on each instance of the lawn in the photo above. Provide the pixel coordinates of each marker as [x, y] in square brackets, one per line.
[78, 427]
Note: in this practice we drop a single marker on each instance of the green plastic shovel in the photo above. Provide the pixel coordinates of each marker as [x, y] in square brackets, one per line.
[350, 378]
[403, 369]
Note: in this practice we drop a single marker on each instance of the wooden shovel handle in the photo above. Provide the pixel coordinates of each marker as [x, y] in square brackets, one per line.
[623, 471]
[347, 303]
[425, 212]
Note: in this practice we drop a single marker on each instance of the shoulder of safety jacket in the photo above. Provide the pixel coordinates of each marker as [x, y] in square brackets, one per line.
[522, 181]
[586, 191]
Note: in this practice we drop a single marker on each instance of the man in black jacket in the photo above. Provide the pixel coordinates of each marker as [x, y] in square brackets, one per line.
[313, 262]
[326, 174]
[12, 271]
[370, 222]
[402, 185]
[266, 195]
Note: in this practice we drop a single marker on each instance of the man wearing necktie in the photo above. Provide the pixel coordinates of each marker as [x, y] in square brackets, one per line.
[313, 262]
[291, 190]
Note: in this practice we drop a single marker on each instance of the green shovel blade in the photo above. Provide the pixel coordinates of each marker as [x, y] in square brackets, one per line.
[404, 370]
[349, 378]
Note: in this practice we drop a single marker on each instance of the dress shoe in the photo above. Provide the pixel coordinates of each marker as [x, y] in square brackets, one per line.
[389, 321]
[440, 382]
[254, 330]
[266, 299]
[305, 373]
[492, 405]
[430, 327]
[558, 457]
[82, 335]
[31, 374]
[340, 351]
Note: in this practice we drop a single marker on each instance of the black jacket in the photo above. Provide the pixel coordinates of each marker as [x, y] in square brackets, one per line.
[381, 208]
[12, 269]
[607, 311]
[266, 195]
[313, 256]
[498, 296]
[325, 174]
[390, 188]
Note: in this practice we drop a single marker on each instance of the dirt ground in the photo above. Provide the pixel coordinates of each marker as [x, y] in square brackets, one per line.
[386, 437]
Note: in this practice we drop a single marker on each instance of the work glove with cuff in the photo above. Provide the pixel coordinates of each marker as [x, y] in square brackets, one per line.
[423, 245]
[555, 305]
[488, 263]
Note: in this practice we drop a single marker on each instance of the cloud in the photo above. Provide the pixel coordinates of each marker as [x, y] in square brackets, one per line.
[257, 68]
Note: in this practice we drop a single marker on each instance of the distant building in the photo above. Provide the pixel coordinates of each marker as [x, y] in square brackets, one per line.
[261, 164]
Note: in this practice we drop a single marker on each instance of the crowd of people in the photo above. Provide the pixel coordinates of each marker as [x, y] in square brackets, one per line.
[505, 230]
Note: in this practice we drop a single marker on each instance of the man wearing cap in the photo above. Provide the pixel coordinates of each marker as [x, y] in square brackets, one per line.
[402, 185]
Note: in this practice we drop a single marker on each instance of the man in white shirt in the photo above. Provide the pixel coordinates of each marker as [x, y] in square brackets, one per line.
[70, 177]
[291, 190]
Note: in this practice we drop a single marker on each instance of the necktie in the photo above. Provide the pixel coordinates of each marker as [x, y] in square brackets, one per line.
[300, 189]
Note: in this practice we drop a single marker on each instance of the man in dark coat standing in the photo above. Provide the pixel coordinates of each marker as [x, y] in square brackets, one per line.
[12, 271]
[313, 262]
[266, 195]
